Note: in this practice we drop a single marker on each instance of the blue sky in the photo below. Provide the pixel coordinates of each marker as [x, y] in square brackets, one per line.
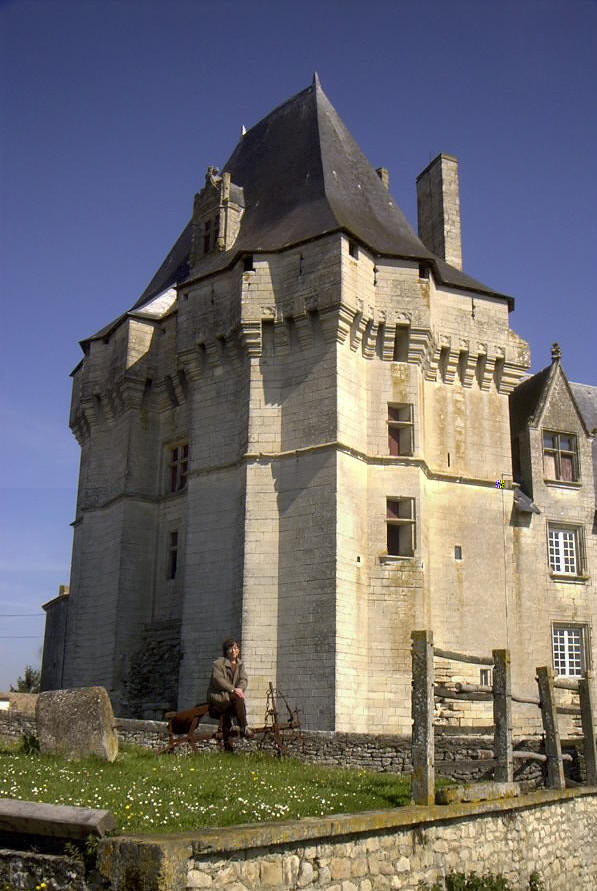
[111, 112]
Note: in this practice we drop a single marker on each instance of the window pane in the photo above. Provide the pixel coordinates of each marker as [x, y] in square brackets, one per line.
[406, 440]
[563, 551]
[568, 654]
[566, 442]
[393, 441]
[394, 540]
[549, 441]
[549, 466]
[393, 510]
[567, 467]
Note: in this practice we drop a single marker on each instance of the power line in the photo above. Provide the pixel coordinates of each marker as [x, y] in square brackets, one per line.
[19, 636]
[21, 615]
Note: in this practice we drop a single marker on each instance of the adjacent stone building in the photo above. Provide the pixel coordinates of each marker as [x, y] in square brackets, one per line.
[300, 434]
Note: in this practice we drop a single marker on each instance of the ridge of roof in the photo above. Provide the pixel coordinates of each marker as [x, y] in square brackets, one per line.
[304, 176]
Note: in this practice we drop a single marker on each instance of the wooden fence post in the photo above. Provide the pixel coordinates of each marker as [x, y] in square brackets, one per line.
[423, 785]
[502, 716]
[587, 717]
[549, 716]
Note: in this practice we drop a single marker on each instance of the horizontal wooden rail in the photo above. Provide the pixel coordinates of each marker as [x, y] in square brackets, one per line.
[462, 657]
[473, 688]
[566, 684]
[462, 687]
[535, 756]
[447, 693]
[527, 700]
[567, 710]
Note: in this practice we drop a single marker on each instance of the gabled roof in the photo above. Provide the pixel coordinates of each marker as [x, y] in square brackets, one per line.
[528, 399]
[303, 176]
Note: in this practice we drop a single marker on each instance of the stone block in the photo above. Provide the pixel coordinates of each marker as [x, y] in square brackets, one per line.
[271, 874]
[76, 723]
[196, 879]
[290, 869]
[305, 876]
[340, 867]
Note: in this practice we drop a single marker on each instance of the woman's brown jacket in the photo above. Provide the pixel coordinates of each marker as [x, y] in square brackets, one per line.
[220, 686]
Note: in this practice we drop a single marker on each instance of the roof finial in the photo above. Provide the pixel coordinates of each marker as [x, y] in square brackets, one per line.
[316, 81]
[556, 354]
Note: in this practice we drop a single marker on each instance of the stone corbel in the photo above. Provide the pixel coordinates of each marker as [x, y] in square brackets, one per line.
[89, 411]
[250, 337]
[511, 377]
[419, 347]
[451, 368]
[132, 392]
[387, 347]
[304, 331]
[344, 318]
[191, 363]
[485, 370]
[358, 329]
[370, 339]
[433, 365]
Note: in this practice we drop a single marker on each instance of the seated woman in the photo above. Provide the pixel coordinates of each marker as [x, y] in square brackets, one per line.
[226, 691]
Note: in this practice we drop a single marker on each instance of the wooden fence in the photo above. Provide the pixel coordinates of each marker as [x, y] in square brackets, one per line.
[425, 691]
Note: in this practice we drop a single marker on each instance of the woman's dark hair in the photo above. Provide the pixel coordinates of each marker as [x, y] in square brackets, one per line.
[229, 642]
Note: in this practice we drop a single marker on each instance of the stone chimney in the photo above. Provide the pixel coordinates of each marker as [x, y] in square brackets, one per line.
[438, 209]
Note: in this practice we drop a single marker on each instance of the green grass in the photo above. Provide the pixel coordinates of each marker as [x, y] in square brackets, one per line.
[169, 793]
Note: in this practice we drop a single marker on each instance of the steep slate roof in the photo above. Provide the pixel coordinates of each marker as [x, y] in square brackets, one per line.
[303, 176]
[586, 399]
[526, 398]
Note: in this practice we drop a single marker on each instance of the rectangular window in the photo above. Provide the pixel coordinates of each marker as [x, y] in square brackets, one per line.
[178, 466]
[560, 456]
[569, 650]
[400, 429]
[400, 526]
[172, 555]
[565, 553]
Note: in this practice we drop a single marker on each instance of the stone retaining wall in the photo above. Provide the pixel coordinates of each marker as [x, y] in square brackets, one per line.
[464, 757]
[20, 870]
[552, 833]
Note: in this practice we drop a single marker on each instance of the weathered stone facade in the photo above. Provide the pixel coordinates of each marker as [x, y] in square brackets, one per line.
[342, 396]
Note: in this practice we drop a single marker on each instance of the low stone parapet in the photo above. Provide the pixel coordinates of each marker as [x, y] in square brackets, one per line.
[551, 833]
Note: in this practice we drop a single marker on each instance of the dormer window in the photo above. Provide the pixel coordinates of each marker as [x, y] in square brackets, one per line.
[560, 457]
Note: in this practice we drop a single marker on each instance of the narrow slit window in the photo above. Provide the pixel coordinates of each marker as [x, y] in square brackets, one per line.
[178, 466]
[207, 236]
[172, 555]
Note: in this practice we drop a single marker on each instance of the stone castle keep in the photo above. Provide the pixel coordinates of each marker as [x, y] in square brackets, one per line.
[315, 432]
